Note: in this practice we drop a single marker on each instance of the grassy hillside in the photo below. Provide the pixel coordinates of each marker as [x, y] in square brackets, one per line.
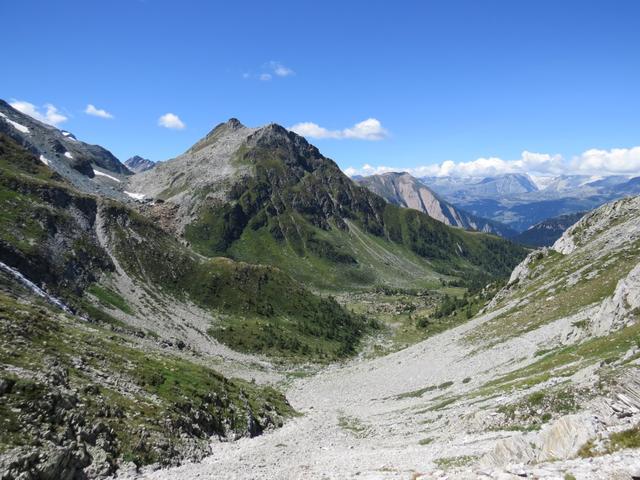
[48, 232]
[266, 311]
[299, 211]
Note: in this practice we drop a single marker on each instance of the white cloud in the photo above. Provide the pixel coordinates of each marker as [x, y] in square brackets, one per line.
[614, 161]
[171, 120]
[280, 70]
[49, 115]
[269, 71]
[529, 162]
[369, 129]
[97, 112]
[617, 161]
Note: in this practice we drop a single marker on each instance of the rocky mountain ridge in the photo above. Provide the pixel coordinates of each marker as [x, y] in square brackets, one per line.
[90, 168]
[404, 190]
[268, 196]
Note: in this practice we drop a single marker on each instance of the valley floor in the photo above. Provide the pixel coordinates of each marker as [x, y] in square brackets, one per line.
[417, 413]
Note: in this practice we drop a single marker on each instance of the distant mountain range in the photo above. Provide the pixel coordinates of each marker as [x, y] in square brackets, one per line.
[481, 187]
[520, 201]
[407, 191]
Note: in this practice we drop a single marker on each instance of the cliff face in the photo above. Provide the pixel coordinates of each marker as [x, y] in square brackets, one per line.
[409, 192]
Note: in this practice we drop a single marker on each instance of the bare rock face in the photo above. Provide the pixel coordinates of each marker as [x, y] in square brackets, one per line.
[204, 173]
[601, 225]
[559, 441]
[617, 310]
[509, 450]
[564, 437]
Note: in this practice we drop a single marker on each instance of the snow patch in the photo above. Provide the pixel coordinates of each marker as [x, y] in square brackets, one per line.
[16, 125]
[102, 174]
[68, 154]
[136, 196]
[44, 160]
[69, 136]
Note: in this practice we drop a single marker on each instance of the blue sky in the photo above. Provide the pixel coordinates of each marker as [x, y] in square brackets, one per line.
[446, 80]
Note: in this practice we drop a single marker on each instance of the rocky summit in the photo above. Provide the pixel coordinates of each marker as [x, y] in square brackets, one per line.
[138, 164]
[246, 310]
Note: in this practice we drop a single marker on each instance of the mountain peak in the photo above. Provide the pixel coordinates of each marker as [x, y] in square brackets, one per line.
[139, 164]
[221, 130]
[234, 123]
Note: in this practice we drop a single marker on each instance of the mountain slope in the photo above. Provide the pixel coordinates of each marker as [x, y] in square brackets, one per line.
[82, 400]
[404, 190]
[545, 383]
[90, 168]
[79, 245]
[545, 233]
[267, 196]
[138, 164]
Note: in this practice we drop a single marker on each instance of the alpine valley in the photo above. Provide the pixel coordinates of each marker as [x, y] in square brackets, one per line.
[246, 310]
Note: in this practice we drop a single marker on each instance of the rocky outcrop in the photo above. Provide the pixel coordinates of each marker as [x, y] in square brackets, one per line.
[564, 437]
[599, 224]
[621, 308]
[558, 441]
[509, 450]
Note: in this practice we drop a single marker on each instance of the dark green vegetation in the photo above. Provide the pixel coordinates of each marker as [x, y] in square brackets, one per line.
[395, 311]
[543, 234]
[80, 380]
[109, 298]
[629, 438]
[299, 211]
[455, 309]
[265, 310]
